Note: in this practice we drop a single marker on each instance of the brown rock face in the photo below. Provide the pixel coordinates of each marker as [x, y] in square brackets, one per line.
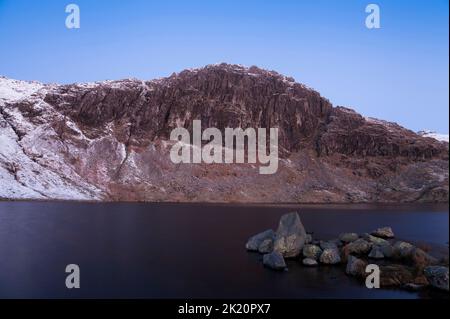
[114, 136]
[349, 133]
[220, 96]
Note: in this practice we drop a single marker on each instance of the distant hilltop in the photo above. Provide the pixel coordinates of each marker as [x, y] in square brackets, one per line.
[436, 136]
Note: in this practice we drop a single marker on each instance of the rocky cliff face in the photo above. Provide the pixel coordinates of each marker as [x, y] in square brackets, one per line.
[109, 141]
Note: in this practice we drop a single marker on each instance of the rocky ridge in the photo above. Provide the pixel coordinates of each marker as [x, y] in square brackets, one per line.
[109, 141]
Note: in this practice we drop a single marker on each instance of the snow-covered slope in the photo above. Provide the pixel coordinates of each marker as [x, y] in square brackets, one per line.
[436, 136]
[13, 90]
[26, 172]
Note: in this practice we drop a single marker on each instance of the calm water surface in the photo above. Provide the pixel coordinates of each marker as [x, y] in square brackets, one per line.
[136, 250]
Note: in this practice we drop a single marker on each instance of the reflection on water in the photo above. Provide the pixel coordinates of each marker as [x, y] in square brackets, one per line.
[137, 250]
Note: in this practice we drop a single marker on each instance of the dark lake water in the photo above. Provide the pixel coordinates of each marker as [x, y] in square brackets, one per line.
[139, 250]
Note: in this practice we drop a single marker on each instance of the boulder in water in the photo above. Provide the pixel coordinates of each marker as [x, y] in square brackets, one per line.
[312, 251]
[383, 232]
[309, 262]
[387, 250]
[421, 259]
[256, 240]
[348, 237]
[375, 240]
[395, 275]
[330, 256]
[376, 253]
[330, 244]
[358, 247]
[266, 246]
[437, 276]
[355, 267]
[290, 236]
[403, 249]
[274, 260]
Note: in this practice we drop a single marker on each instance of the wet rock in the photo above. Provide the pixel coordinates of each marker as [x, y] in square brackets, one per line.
[308, 239]
[376, 253]
[402, 249]
[337, 242]
[421, 259]
[358, 247]
[395, 275]
[421, 279]
[312, 251]
[274, 260]
[309, 262]
[266, 246]
[437, 276]
[355, 267]
[383, 232]
[256, 240]
[375, 240]
[328, 245]
[348, 237]
[290, 236]
[387, 250]
[330, 256]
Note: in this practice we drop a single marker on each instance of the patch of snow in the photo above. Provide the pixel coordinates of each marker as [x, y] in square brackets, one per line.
[13, 90]
[31, 176]
[390, 126]
[12, 189]
[73, 126]
[436, 136]
[88, 85]
[34, 167]
[19, 121]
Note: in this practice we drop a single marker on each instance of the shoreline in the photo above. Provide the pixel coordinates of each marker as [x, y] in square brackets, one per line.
[354, 205]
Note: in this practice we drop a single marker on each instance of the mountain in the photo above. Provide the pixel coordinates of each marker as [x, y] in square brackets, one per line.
[110, 141]
[437, 136]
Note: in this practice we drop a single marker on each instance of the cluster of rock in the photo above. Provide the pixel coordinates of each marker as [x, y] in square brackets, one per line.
[401, 263]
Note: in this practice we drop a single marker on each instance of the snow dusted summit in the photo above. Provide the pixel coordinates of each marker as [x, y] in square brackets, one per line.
[109, 141]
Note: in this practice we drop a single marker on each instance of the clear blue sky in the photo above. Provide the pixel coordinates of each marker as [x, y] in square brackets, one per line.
[398, 73]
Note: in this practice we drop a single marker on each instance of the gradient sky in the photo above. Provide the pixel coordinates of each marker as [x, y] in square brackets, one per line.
[399, 72]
